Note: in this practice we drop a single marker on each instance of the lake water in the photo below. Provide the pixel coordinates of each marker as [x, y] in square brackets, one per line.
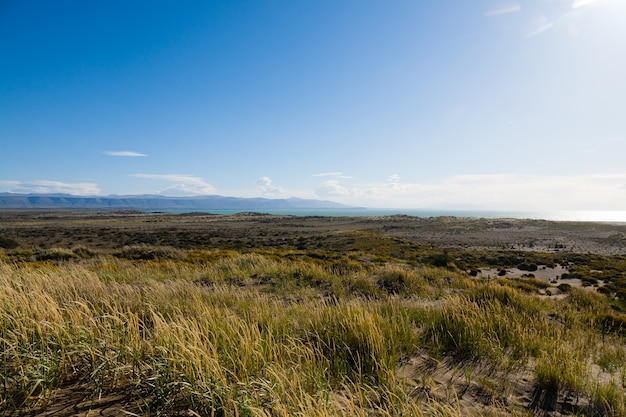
[564, 215]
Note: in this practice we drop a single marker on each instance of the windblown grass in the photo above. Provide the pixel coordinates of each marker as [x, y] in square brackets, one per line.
[227, 333]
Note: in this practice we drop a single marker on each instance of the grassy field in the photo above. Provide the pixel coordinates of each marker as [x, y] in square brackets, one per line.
[341, 322]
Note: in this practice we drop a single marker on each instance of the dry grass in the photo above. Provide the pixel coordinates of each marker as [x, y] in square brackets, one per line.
[284, 333]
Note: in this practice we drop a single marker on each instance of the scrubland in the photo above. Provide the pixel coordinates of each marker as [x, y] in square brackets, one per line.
[350, 323]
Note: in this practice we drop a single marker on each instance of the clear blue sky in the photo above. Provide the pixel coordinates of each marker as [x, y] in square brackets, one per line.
[447, 103]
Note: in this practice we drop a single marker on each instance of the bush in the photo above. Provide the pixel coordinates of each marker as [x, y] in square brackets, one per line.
[564, 288]
[527, 267]
[147, 253]
[444, 259]
[22, 254]
[393, 282]
[56, 254]
[587, 281]
[7, 243]
[83, 252]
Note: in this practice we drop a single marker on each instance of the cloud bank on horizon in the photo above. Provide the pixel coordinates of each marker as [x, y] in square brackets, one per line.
[49, 187]
[497, 192]
[179, 185]
[501, 104]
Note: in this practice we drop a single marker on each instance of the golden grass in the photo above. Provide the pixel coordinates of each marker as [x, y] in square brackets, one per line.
[255, 334]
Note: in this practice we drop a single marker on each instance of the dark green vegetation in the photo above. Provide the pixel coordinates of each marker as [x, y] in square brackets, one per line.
[263, 315]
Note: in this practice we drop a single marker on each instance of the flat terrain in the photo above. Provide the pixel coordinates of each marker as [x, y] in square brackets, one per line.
[205, 231]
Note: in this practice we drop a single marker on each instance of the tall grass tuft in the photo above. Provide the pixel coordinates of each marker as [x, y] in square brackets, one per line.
[490, 321]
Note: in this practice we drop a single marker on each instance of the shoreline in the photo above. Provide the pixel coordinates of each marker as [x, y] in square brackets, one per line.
[594, 216]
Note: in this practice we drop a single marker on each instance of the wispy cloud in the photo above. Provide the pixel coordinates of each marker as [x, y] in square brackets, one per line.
[335, 174]
[268, 188]
[123, 153]
[49, 187]
[504, 9]
[180, 184]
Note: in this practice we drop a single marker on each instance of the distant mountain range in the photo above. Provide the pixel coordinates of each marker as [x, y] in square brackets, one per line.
[158, 202]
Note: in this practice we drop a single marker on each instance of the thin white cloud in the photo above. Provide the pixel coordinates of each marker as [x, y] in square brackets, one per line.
[49, 187]
[502, 10]
[123, 153]
[180, 184]
[328, 174]
[268, 188]
[335, 174]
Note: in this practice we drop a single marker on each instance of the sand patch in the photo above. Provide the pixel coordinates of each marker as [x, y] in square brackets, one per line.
[475, 388]
[542, 272]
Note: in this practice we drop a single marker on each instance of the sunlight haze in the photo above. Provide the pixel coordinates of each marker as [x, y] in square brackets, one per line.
[406, 104]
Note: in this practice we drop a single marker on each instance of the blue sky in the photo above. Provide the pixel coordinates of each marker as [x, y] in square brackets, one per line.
[404, 104]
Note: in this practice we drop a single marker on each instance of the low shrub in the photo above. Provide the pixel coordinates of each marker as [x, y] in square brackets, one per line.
[444, 259]
[392, 282]
[527, 267]
[8, 243]
[148, 253]
[564, 288]
[83, 252]
[56, 254]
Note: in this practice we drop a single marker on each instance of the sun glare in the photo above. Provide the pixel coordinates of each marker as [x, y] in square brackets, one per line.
[613, 4]
[582, 3]
[545, 16]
